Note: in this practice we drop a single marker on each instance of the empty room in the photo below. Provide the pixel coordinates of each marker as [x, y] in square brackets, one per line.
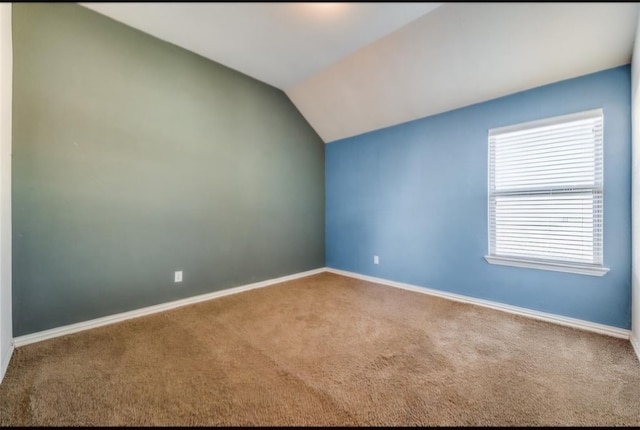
[319, 214]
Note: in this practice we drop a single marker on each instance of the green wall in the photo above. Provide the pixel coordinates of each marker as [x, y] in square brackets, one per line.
[133, 158]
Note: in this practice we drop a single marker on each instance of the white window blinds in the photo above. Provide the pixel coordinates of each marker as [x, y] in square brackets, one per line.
[545, 190]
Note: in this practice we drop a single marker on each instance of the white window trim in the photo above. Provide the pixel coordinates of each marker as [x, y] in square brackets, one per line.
[556, 267]
[531, 263]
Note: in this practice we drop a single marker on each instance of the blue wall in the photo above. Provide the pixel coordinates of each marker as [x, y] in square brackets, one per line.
[415, 194]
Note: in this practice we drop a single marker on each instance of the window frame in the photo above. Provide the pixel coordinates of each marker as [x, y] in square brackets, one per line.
[594, 269]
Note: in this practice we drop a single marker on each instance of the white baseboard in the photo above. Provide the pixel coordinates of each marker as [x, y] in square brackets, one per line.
[4, 364]
[636, 345]
[86, 325]
[557, 319]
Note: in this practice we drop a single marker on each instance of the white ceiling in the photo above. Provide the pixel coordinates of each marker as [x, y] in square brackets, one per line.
[277, 43]
[355, 67]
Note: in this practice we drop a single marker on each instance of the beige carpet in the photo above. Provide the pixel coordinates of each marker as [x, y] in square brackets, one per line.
[325, 350]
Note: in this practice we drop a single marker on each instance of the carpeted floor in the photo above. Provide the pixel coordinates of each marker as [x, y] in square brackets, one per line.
[325, 351]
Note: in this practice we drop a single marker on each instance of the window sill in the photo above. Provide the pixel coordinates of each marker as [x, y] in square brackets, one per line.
[558, 267]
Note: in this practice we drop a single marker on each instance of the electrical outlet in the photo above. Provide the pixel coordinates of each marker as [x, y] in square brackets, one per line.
[177, 276]
[376, 260]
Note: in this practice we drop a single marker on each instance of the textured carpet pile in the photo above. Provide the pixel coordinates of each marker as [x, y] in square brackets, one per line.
[325, 350]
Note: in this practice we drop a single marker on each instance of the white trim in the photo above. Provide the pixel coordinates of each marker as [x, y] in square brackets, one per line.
[86, 325]
[6, 100]
[557, 319]
[635, 344]
[5, 362]
[557, 267]
[545, 122]
[98, 322]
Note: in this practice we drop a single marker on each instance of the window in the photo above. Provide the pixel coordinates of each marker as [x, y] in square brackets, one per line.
[545, 194]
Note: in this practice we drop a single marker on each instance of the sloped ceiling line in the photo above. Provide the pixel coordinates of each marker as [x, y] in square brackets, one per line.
[351, 68]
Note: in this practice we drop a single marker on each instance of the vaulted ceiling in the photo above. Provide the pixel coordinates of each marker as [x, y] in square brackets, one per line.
[351, 68]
